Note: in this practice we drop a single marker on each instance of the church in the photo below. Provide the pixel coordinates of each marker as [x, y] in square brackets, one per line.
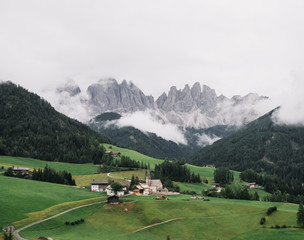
[151, 186]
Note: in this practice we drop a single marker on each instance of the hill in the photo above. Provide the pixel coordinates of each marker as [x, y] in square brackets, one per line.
[31, 127]
[262, 145]
[132, 138]
[193, 219]
[152, 145]
[28, 197]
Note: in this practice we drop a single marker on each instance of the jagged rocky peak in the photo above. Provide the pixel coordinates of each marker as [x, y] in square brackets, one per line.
[70, 87]
[187, 99]
[109, 95]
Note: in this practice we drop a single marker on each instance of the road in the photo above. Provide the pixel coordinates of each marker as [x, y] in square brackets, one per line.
[17, 231]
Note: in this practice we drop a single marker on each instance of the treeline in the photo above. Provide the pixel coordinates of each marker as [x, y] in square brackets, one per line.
[233, 193]
[262, 146]
[175, 171]
[108, 163]
[282, 189]
[31, 127]
[45, 175]
[51, 175]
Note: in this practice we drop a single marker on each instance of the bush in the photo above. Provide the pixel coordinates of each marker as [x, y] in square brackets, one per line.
[262, 221]
[271, 210]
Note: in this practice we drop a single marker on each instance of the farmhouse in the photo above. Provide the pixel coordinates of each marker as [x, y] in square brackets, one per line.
[110, 191]
[252, 185]
[114, 154]
[23, 171]
[99, 185]
[151, 186]
[113, 199]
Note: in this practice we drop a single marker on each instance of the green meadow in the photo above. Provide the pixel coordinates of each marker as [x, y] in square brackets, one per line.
[74, 169]
[20, 198]
[134, 155]
[197, 219]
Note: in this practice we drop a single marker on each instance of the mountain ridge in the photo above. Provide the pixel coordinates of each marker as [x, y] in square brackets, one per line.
[195, 107]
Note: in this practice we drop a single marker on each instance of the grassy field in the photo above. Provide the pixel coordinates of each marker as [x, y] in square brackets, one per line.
[216, 219]
[74, 169]
[19, 198]
[134, 155]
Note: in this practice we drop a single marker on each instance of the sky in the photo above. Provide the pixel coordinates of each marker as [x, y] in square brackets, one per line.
[234, 46]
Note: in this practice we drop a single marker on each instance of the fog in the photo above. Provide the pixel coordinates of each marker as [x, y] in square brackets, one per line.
[144, 121]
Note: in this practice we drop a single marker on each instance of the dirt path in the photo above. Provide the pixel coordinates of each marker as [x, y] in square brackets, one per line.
[17, 231]
[170, 220]
[114, 177]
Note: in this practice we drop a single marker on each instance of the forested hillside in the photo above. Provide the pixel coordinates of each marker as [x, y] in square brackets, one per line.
[31, 127]
[147, 143]
[261, 145]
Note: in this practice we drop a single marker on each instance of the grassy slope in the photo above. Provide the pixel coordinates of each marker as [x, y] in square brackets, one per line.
[217, 219]
[75, 169]
[20, 197]
[134, 155]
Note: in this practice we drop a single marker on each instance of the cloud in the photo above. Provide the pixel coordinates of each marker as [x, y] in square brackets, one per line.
[205, 139]
[291, 102]
[145, 122]
[71, 106]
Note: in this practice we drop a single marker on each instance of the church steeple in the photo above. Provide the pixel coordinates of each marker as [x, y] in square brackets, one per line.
[148, 177]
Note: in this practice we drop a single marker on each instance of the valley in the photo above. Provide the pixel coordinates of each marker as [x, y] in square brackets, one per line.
[197, 219]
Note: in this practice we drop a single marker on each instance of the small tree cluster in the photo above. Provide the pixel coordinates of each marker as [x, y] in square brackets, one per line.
[300, 215]
[51, 175]
[223, 176]
[75, 222]
[271, 210]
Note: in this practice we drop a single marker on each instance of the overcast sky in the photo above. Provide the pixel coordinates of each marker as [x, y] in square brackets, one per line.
[235, 47]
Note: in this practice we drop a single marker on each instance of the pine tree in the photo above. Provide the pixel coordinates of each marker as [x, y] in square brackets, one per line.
[300, 215]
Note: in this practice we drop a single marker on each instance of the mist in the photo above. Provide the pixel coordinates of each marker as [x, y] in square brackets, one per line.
[291, 102]
[145, 122]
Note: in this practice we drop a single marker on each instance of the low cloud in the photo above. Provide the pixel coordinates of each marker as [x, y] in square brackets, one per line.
[72, 106]
[146, 122]
[291, 102]
[205, 139]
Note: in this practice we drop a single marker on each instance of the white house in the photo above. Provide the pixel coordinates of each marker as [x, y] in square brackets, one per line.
[110, 191]
[99, 185]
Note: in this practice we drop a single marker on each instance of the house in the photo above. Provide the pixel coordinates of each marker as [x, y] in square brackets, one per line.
[113, 199]
[151, 186]
[99, 185]
[22, 171]
[215, 185]
[252, 185]
[114, 154]
[209, 166]
[110, 191]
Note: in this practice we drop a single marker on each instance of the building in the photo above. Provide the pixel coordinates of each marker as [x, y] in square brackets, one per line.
[22, 171]
[252, 185]
[110, 192]
[151, 186]
[113, 199]
[99, 185]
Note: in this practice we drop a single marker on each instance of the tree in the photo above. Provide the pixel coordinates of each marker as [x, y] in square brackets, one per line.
[300, 215]
[222, 175]
[116, 187]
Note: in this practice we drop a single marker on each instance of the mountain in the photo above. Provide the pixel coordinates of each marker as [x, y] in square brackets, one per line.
[262, 145]
[196, 107]
[152, 145]
[31, 127]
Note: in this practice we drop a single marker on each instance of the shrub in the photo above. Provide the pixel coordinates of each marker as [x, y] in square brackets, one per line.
[271, 210]
[262, 221]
